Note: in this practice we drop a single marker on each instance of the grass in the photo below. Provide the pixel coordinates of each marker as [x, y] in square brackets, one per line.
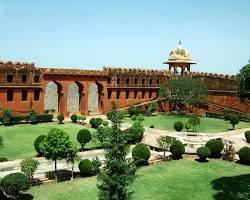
[175, 180]
[19, 139]
[207, 125]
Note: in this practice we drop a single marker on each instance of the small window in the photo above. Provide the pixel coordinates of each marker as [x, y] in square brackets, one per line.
[24, 95]
[118, 94]
[10, 95]
[150, 94]
[36, 78]
[118, 81]
[109, 94]
[109, 80]
[135, 95]
[127, 94]
[10, 78]
[158, 81]
[143, 94]
[151, 81]
[135, 81]
[127, 81]
[24, 78]
[36, 95]
[143, 81]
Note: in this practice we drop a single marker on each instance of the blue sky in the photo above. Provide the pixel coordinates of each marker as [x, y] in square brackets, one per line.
[90, 34]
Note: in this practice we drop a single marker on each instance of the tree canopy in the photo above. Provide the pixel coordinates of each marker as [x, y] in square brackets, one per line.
[184, 91]
[244, 81]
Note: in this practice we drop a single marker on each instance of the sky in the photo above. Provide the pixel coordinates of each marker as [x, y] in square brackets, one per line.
[90, 34]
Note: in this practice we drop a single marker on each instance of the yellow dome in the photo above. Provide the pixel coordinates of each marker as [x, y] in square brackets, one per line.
[180, 54]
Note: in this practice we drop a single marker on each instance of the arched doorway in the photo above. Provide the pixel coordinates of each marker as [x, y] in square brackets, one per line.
[95, 97]
[74, 97]
[52, 96]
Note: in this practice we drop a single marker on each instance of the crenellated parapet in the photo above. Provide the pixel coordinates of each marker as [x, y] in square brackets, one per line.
[135, 71]
[16, 65]
[74, 72]
[213, 75]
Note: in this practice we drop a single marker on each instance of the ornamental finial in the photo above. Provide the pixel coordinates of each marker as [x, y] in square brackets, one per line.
[180, 42]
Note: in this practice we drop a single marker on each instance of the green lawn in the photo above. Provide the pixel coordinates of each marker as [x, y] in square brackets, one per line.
[207, 125]
[19, 139]
[175, 180]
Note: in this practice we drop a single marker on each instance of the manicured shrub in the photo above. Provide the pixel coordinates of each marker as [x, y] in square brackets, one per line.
[134, 117]
[37, 143]
[154, 106]
[33, 116]
[134, 133]
[188, 126]
[105, 123]
[140, 118]
[60, 118]
[132, 110]
[247, 136]
[95, 122]
[203, 153]
[177, 148]
[85, 167]
[44, 118]
[227, 117]
[13, 184]
[244, 154]
[83, 137]
[81, 118]
[148, 112]
[151, 126]
[194, 120]
[6, 116]
[141, 154]
[178, 126]
[109, 115]
[29, 166]
[73, 118]
[120, 115]
[216, 146]
[234, 120]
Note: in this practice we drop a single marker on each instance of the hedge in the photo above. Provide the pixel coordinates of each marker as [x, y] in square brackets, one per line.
[25, 118]
[243, 118]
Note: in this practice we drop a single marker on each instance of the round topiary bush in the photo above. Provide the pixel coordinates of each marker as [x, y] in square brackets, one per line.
[85, 167]
[132, 135]
[203, 153]
[234, 120]
[73, 118]
[13, 184]
[247, 136]
[109, 115]
[37, 143]
[95, 122]
[105, 123]
[216, 146]
[178, 126]
[177, 148]
[134, 117]
[140, 118]
[188, 126]
[83, 137]
[141, 154]
[60, 118]
[244, 154]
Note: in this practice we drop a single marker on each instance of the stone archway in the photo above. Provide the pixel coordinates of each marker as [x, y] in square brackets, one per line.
[52, 96]
[95, 97]
[74, 97]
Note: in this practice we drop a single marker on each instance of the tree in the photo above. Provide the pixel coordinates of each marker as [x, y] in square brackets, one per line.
[29, 166]
[60, 118]
[83, 137]
[118, 172]
[234, 120]
[164, 143]
[72, 158]
[32, 116]
[194, 121]
[6, 116]
[56, 146]
[184, 92]
[132, 110]
[244, 82]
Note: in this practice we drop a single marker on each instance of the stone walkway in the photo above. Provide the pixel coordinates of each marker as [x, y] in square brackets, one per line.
[150, 138]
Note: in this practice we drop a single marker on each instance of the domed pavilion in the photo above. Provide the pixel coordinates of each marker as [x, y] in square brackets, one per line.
[180, 60]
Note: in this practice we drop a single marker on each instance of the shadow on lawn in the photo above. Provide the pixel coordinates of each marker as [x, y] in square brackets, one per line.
[21, 197]
[62, 175]
[232, 188]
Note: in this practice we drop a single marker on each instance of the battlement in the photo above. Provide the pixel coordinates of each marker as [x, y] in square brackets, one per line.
[134, 71]
[213, 75]
[17, 65]
[74, 72]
